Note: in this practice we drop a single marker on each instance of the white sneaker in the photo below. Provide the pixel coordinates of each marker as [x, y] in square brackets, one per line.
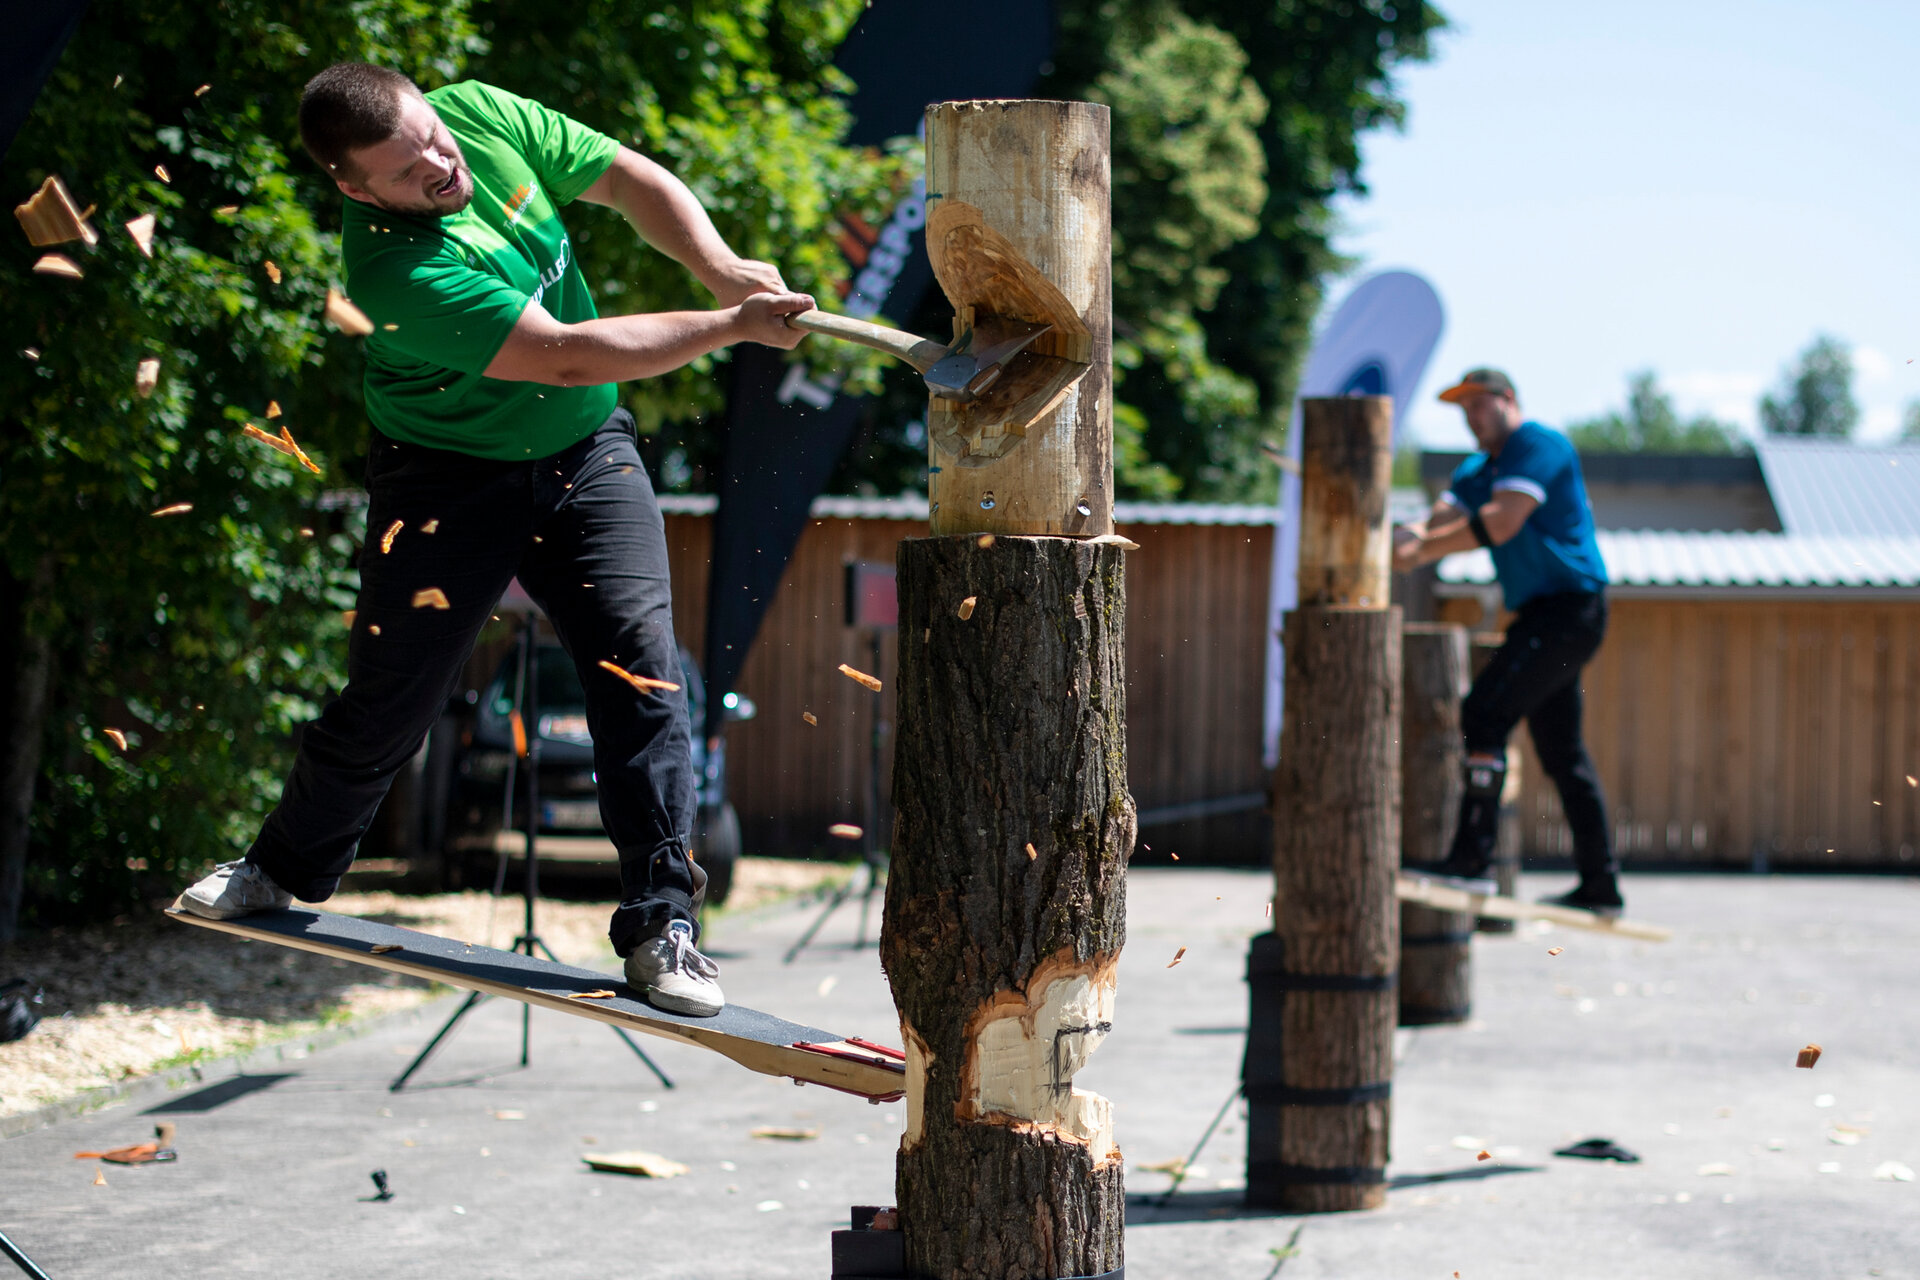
[234, 889]
[674, 976]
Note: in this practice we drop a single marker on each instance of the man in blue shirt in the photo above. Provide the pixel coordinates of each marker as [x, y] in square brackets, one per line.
[1523, 499]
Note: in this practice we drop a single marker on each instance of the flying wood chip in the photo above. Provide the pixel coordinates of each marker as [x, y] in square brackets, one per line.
[1032, 853]
[58, 264]
[810, 718]
[845, 831]
[1484, 1155]
[273, 272]
[141, 229]
[201, 90]
[1808, 1056]
[966, 607]
[160, 172]
[273, 409]
[1178, 956]
[146, 376]
[252, 432]
[50, 216]
[99, 1177]
[299, 454]
[430, 598]
[228, 209]
[119, 738]
[643, 1164]
[393, 531]
[860, 676]
[602, 994]
[774, 1134]
[1554, 951]
[344, 316]
[644, 684]
[431, 526]
[177, 509]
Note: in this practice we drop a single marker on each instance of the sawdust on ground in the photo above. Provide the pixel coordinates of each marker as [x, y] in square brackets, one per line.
[125, 1000]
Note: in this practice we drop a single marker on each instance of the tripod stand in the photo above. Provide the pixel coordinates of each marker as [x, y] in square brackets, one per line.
[526, 745]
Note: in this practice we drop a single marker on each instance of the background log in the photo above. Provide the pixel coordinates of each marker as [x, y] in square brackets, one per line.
[1006, 897]
[1038, 174]
[1506, 849]
[1436, 960]
[1319, 1063]
[1346, 469]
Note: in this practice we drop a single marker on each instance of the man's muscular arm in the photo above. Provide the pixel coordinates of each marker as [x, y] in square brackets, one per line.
[620, 348]
[670, 218]
[1445, 530]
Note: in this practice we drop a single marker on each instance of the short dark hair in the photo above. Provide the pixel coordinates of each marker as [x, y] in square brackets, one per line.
[348, 107]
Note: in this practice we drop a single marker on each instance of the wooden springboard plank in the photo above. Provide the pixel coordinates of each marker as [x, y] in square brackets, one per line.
[1439, 892]
[757, 1041]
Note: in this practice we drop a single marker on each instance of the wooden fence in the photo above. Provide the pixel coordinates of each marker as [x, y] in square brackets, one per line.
[1737, 733]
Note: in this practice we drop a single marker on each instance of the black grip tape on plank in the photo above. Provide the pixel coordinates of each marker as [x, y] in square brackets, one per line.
[1288, 1096]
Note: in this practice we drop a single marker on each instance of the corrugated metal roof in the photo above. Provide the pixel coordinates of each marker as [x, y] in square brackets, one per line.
[1830, 487]
[1720, 560]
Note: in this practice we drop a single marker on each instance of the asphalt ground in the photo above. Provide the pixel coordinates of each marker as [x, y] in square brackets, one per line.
[1682, 1052]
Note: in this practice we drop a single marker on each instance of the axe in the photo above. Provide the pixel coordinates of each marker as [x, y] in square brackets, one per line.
[961, 370]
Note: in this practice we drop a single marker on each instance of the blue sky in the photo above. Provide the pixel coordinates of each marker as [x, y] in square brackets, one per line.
[1696, 187]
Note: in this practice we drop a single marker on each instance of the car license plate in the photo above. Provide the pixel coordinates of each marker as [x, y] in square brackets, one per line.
[571, 815]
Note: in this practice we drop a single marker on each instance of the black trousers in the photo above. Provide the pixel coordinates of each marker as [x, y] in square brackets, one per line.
[1535, 676]
[583, 533]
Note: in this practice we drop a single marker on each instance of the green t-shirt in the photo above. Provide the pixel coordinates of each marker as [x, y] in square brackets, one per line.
[443, 293]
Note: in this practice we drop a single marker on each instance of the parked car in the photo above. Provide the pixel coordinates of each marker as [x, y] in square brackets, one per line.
[463, 776]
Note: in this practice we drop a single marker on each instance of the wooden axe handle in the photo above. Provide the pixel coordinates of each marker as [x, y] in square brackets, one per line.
[921, 353]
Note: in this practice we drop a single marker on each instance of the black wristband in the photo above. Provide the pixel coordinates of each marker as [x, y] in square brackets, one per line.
[1479, 527]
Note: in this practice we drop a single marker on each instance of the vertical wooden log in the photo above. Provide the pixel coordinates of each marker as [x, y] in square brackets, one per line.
[1319, 1065]
[1035, 174]
[1436, 960]
[1346, 470]
[1006, 903]
[1506, 849]
[1006, 898]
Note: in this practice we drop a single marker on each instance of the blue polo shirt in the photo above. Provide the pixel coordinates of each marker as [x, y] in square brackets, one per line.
[1554, 551]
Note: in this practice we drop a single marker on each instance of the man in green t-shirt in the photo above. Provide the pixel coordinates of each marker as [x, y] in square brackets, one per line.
[499, 451]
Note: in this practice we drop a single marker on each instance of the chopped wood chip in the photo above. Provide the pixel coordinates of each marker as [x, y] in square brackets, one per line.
[966, 607]
[1178, 956]
[118, 738]
[299, 454]
[1912, 782]
[430, 598]
[1269, 910]
[273, 272]
[146, 376]
[382, 948]
[845, 831]
[1554, 951]
[1484, 1154]
[509, 1115]
[810, 718]
[776, 1134]
[860, 676]
[344, 316]
[643, 1164]
[601, 994]
[1031, 852]
[1174, 856]
[201, 90]
[643, 684]
[58, 264]
[348, 615]
[1715, 1170]
[31, 353]
[374, 630]
[431, 526]
[141, 229]
[393, 531]
[1808, 1056]
[985, 540]
[99, 1177]
[50, 216]
[273, 409]
[228, 209]
[160, 172]
[177, 509]
[1114, 539]
[252, 432]
[391, 327]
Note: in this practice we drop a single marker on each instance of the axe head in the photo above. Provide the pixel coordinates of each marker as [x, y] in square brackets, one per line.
[978, 357]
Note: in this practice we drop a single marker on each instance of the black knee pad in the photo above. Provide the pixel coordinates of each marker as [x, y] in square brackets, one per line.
[1486, 780]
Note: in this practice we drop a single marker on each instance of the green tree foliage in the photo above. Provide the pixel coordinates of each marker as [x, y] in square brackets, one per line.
[206, 637]
[1815, 395]
[1219, 274]
[1650, 424]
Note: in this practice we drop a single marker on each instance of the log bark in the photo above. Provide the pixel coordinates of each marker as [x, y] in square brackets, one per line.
[26, 656]
[1319, 1062]
[1506, 849]
[1005, 908]
[1436, 960]
[1346, 469]
[1034, 176]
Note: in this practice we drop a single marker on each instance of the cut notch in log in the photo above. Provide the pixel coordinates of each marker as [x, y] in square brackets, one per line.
[1346, 471]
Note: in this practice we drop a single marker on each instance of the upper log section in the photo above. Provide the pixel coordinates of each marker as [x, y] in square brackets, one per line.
[1018, 229]
[1346, 468]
